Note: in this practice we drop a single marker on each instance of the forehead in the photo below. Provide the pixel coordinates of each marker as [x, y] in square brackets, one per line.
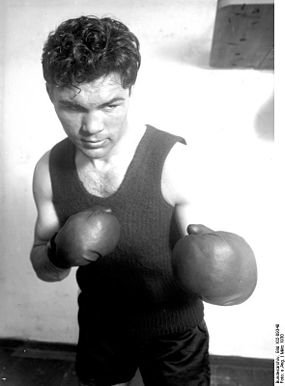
[97, 91]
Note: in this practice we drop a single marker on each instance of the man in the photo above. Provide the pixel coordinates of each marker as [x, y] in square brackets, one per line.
[132, 312]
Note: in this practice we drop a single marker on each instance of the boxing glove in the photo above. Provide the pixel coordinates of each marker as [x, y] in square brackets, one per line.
[85, 237]
[220, 267]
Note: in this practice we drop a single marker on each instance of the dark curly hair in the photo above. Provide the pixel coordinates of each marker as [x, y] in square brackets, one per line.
[86, 48]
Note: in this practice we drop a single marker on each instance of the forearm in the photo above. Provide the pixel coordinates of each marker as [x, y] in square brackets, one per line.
[44, 268]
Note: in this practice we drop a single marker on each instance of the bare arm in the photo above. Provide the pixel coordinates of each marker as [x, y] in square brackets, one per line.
[179, 179]
[46, 224]
[218, 266]
[182, 178]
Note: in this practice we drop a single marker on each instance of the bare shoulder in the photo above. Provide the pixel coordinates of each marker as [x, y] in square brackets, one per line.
[41, 179]
[179, 153]
[175, 176]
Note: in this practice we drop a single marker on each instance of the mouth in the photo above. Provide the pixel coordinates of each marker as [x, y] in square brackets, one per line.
[94, 144]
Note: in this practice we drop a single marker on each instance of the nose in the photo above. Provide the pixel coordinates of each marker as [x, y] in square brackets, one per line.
[92, 123]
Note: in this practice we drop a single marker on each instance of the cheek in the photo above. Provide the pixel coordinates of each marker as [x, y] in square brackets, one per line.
[119, 117]
[70, 124]
[117, 124]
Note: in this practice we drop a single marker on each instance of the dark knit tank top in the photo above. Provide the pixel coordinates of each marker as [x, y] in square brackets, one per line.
[134, 284]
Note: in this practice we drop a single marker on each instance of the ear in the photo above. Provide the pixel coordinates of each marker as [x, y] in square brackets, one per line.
[49, 88]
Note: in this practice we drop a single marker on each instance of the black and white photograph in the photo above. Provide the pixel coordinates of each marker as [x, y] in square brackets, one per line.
[141, 157]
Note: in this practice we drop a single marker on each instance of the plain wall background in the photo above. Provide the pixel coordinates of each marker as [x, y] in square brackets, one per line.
[225, 115]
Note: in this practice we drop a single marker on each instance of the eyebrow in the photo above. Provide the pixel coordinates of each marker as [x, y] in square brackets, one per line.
[78, 105]
[70, 103]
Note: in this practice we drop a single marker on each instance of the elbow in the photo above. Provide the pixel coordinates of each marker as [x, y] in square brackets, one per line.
[46, 271]
[48, 277]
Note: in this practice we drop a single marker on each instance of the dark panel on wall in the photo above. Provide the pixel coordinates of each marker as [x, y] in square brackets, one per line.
[243, 35]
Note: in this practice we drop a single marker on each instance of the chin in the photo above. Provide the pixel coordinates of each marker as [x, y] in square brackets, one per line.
[95, 153]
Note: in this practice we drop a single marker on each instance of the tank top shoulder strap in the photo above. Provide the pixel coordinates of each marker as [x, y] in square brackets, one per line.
[62, 175]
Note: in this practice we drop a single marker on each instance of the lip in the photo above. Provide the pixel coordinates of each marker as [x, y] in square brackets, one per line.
[94, 144]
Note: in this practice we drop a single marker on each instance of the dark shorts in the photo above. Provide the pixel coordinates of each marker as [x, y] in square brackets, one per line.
[172, 360]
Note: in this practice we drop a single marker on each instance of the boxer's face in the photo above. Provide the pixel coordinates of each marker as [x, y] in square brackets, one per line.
[94, 116]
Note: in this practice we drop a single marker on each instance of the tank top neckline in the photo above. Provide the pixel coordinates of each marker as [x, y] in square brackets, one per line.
[130, 171]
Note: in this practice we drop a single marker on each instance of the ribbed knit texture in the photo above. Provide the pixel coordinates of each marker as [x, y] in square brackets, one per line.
[134, 285]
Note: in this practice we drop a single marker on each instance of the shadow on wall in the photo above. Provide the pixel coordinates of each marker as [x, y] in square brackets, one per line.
[264, 121]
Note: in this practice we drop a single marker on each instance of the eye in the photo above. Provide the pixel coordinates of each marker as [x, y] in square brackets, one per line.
[110, 107]
[76, 108]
